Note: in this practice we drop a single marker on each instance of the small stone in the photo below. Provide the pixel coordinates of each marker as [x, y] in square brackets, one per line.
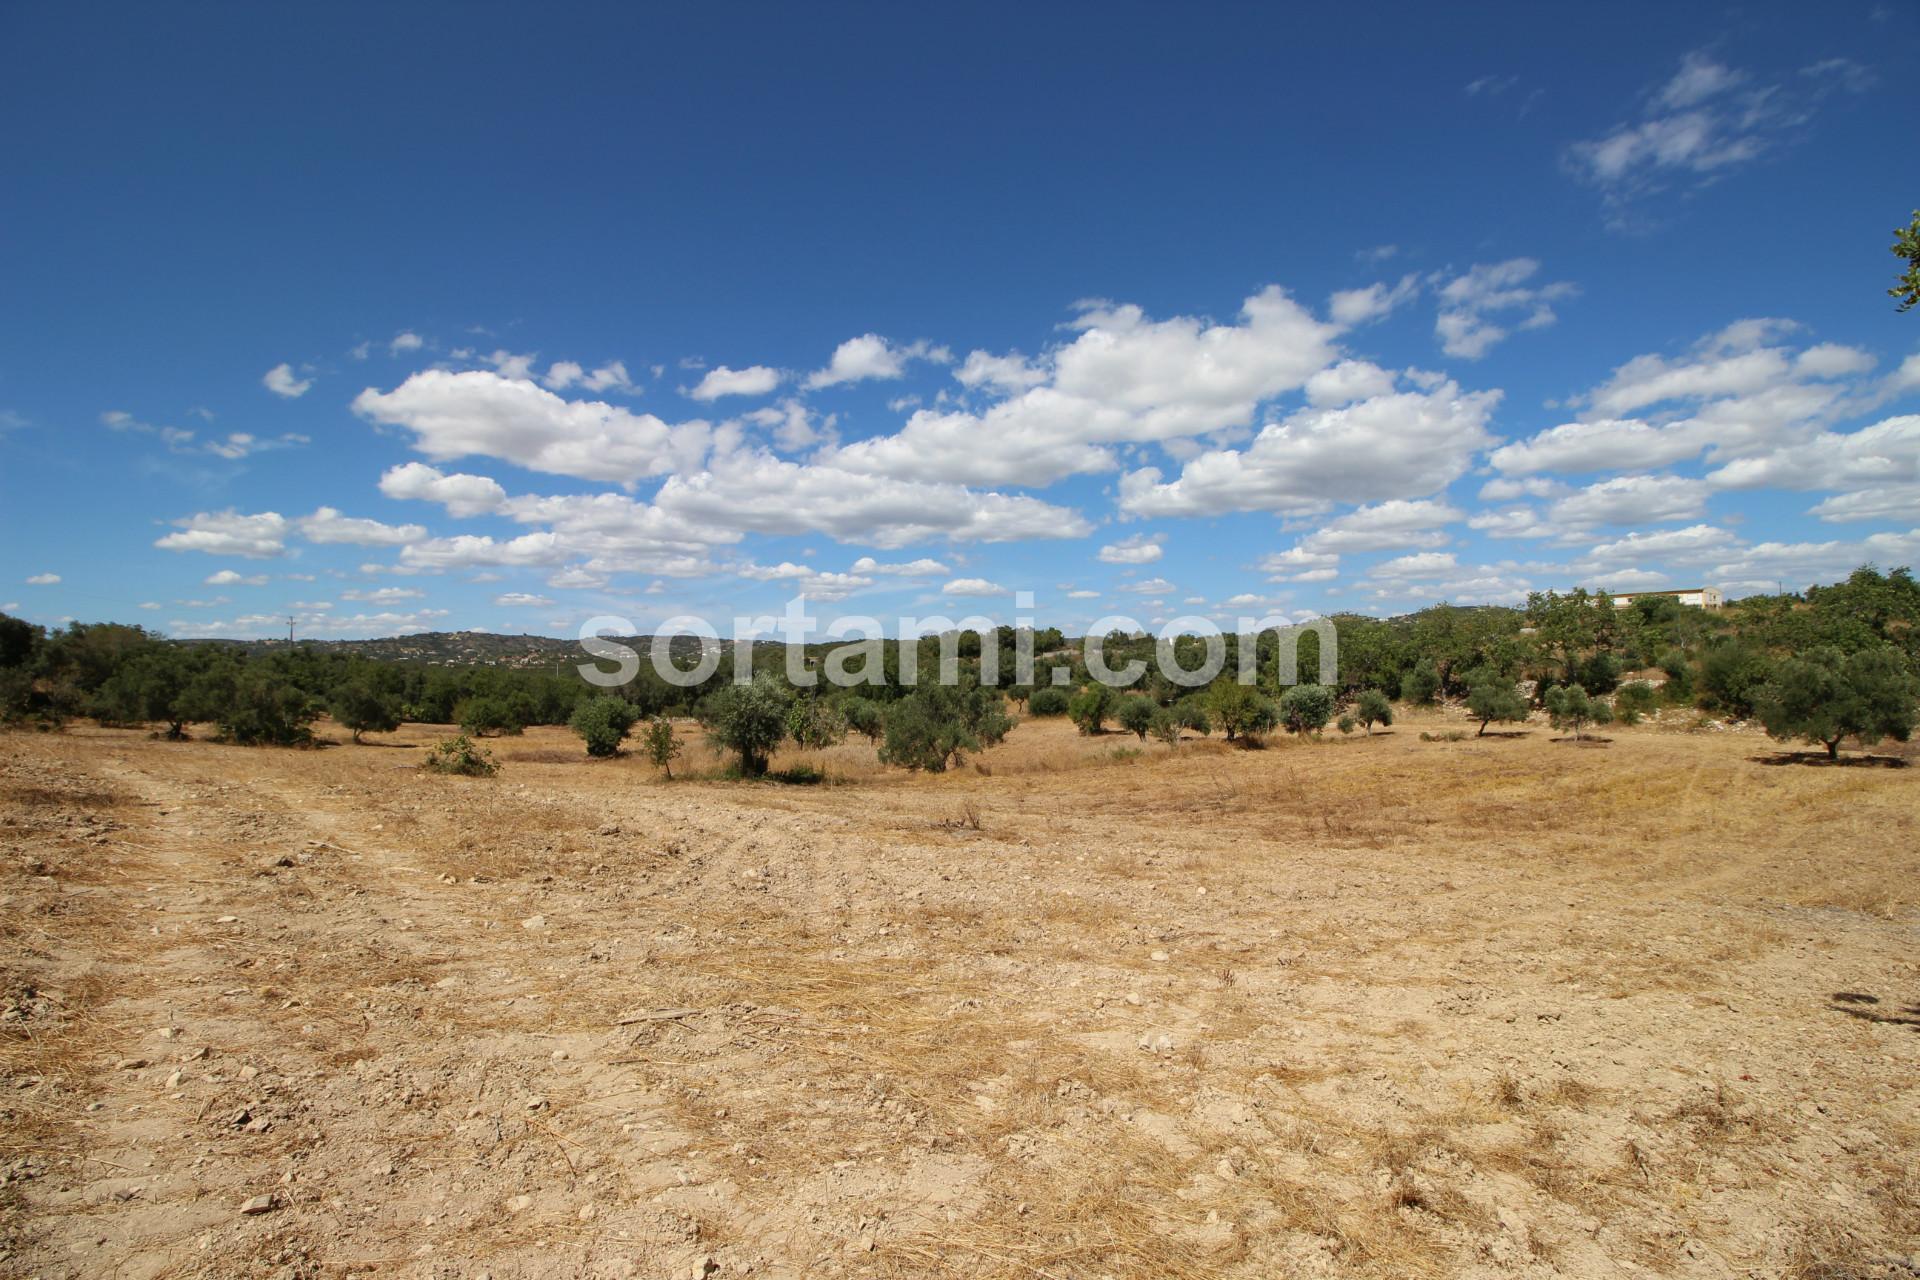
[559, 1055]
[130, 1064]
[1159, 957]
[1225, 1169]
[586, 1213]
[168, 1033]
[519, 1204]
[536, 1103]
[1133, 998]
[228, 920]
[249, 1071]
[257, 1204]
[534, 922]
[173, 1078]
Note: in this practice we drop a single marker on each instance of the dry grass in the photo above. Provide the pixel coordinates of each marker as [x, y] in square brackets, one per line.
[1374, 1007]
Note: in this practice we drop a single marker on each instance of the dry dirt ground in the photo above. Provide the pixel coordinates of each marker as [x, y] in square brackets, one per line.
[1361, 1007]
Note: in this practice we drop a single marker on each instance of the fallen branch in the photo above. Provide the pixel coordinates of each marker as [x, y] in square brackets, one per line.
[657, 1015]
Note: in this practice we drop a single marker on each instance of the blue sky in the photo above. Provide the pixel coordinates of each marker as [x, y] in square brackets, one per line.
[414, 317]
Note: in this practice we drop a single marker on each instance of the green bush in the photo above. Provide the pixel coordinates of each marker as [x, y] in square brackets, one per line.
[1346, 724]
[750, 719]
[934, 727]
[1165, 725]
[866, 718]
[1420, 684]
[813, 722]
[1731, 677]
[260, 710]
[1491, 696]
[1191, 713]
[1633, 700]
[1372, 708]
[1090, 708]
[602, 724]
[1679, 670]
[1048, 702]
[662, 748]
[1241, 710]
[1570, 707]
[1600, 674]
[486, 715]
[1135, 714]
[1306, 708]
[460, 755]
[360, 708]
[1827, 697]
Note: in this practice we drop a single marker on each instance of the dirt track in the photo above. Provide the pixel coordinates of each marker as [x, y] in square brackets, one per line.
[1376, 1007]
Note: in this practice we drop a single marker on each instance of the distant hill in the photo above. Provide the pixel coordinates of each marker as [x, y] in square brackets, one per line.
[466, 648]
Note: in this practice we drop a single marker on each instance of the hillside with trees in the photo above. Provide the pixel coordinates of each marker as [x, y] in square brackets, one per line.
[1834, 663]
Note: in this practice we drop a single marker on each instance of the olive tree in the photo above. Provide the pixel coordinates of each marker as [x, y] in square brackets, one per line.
[1491, 696]
[1091, 707]
[1241, 711]
[750, 719]
[1307, 708]
[360, 708]
[1135, 715]
[1372, 708]
[1827, 697]
[1572, 708]
[602, 723]
[662, 748]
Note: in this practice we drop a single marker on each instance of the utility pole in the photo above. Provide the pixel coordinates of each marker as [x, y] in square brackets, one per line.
[289, 630]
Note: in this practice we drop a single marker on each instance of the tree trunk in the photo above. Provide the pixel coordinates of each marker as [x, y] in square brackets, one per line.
[1833, 749]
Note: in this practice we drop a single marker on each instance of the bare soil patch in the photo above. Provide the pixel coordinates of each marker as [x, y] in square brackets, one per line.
[1341, 1008]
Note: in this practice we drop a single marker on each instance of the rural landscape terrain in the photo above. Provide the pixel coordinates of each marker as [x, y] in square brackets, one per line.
[1400, 1001]
[1030, 642]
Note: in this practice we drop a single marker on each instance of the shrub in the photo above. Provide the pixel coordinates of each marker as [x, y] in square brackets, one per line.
[1634, 699]
[659, 744]
[360, 708]
[1570, 707]
[1241, 710]
[1347, 724]
[460, 755]
[1679, 686]
[1420, 684]
[482, 716]
[1731, 677]
[602, 723]
[934, 727]
[1165, 725]
[750, 719]
[1372, 708]
[1191, 713]
[866, 718]
[1827, 697]
[1090, 707]
[151, 686]
[263, 710]
[1306, 708]
[1135, 715]
[1491, 696]
[1048, 702]
[813, 722]
[1599, 674]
